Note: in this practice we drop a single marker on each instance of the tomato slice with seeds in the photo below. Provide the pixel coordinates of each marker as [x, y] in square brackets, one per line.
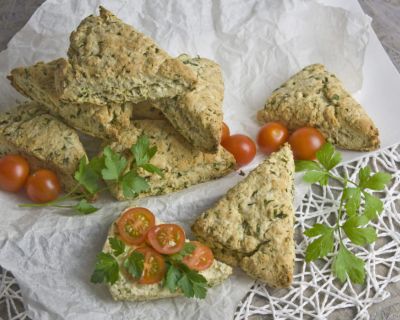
[200, 259]
[166, 238]
[134, 224]
[154, 267]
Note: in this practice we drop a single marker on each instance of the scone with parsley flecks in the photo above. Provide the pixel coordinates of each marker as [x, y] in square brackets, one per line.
[198, 115]
[109, 61]
[43, 140]
[181, 165]
[104, 122]
[252, 225]
[316, 98]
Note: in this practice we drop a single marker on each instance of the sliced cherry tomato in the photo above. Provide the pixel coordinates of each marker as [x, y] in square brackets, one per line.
[43, 186]
[154, 267]
[200, 259]
[166, 238]
[14, 171]
[305, 143]
[241, 147]
[225, 132]
[134, 224]
[272, 136]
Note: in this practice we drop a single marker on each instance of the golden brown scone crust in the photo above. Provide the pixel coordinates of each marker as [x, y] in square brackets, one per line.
[252, 225]
[314, 97]
[109, 61]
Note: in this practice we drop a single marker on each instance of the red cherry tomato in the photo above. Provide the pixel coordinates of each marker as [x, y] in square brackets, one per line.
[43, 186]
[200, 259]
[134, 224]
[154, 267]
[271, 137]
[14, 171]
[305, 143]
[166, 238]
[241, 147]
[225, 132]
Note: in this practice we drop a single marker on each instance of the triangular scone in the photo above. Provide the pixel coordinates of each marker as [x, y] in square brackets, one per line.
[197, 115]
[37, 82]
[252, 225]
[109, 61]
[316, 98]
[124, 289]
[182, 165]
[44, 140]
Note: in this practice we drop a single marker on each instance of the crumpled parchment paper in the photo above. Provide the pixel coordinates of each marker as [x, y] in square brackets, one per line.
[259, 44]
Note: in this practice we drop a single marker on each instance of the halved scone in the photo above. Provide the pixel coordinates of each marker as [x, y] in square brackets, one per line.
[314, 97]
[252, 225]
[45, 141]
[37, 82]
[197, 115]
[182, 166]
[125, 289]
[109, 61]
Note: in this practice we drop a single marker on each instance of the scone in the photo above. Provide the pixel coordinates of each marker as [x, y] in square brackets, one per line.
[126, 290]
[316, 98]
[45, 141]
[197, 115]
[109, 61]
[252, 225]
[181, 165]
[104, 122]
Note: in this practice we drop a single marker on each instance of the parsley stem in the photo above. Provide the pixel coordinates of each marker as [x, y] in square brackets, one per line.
[340, 211]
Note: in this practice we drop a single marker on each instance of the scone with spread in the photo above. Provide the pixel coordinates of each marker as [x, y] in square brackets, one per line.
[182, 166]
[252, 225]
[37, 83]
[314, 97]
[109, 61]
[43, 140]
[197, 115]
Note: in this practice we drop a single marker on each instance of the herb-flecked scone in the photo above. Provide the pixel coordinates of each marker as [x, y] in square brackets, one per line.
[181, 165]
[37, 83]
[126, 290]
[252, 225]
[45, 141]
[197, 115]
[109, 61]
[316, 98]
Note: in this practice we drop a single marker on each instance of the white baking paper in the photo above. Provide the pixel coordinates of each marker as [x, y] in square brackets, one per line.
[259, 44]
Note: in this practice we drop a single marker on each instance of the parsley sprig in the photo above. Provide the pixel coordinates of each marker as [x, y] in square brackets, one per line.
[110, 167]
[178, 276]
[357, 207]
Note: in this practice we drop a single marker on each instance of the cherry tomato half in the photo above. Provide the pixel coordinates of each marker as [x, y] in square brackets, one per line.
[305, 143]
[200, 259]
[166, 238]
[272, 136]
[43, 186]
[154, 267]
[14, 171]
[134, 224]
[241, 147]
[225, 132]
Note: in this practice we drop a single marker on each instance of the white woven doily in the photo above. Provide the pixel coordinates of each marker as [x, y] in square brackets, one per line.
[315, 294]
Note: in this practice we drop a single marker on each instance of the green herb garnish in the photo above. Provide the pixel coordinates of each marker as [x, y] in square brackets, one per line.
[357, 208]
[113, 168]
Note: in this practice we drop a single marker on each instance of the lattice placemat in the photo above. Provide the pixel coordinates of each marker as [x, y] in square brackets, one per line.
[315, 294]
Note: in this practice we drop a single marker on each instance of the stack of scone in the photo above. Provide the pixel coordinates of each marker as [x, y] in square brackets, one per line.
[116, 85]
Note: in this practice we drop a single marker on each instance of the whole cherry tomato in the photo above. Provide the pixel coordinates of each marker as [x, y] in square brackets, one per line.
[271, 137]
[14, 171]
[225, 132]
[305, 143]
[43, 186]
[242, 148]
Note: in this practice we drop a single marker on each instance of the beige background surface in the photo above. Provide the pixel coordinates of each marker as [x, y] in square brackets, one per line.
[386, 23]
